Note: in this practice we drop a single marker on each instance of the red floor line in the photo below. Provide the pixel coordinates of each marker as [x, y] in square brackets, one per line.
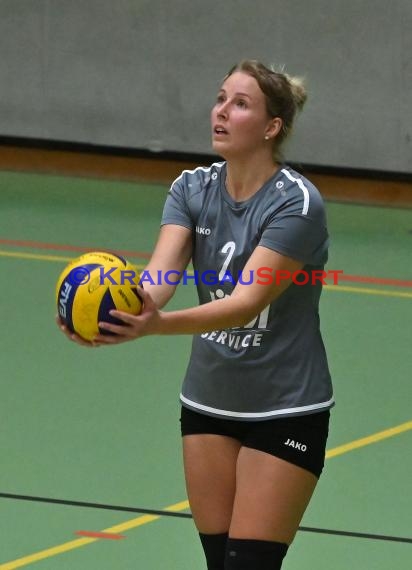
[104, 535]
[146, 255]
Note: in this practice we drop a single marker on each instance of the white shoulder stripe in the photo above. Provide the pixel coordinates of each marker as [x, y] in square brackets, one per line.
[305, 191]
[204, 168]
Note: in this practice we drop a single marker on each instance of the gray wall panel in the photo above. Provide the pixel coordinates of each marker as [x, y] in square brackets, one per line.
[405, 90]
[144, 74]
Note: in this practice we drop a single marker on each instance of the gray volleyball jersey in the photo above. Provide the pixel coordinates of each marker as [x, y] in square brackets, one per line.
[275, 365]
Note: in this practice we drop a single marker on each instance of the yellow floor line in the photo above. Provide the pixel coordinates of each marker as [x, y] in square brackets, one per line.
[367, 291]
[183, 505]
[78, 543]
[36, 256]
[374, 438]
[36, 557]
[42, 257]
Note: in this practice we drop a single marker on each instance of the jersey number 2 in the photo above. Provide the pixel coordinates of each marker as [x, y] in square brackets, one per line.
[261, 320]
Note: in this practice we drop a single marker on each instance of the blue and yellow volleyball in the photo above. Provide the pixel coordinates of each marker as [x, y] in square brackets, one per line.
[91, 286]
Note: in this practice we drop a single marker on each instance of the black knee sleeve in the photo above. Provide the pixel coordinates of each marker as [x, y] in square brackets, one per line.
[214, 546]
[242, 554]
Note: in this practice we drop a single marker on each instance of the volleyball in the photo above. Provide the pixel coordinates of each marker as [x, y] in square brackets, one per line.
[91, 286]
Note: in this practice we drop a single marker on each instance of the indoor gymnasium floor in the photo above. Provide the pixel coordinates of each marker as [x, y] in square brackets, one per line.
[89, 439]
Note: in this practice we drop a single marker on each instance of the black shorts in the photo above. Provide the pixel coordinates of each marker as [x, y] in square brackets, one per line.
[300, 440]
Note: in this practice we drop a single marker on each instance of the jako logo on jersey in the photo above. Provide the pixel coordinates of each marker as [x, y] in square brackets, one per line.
[296, 445]
[203, 231]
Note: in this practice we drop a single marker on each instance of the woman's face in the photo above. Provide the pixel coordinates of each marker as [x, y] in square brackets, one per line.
[239, 118]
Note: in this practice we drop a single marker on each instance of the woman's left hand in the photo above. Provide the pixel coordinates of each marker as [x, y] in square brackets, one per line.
[135, 326]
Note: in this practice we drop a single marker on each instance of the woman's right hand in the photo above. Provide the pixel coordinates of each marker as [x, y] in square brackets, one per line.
[74, 337]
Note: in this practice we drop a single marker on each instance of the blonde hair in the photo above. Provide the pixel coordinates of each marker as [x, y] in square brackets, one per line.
[285, 96]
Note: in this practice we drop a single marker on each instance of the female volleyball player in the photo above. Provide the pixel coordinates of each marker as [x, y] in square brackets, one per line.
[257, 392]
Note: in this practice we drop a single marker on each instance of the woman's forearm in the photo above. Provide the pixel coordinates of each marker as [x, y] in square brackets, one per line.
[216, 315]
[161, 294]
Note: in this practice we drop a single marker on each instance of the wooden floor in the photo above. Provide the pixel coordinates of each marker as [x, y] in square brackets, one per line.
[337, 188]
